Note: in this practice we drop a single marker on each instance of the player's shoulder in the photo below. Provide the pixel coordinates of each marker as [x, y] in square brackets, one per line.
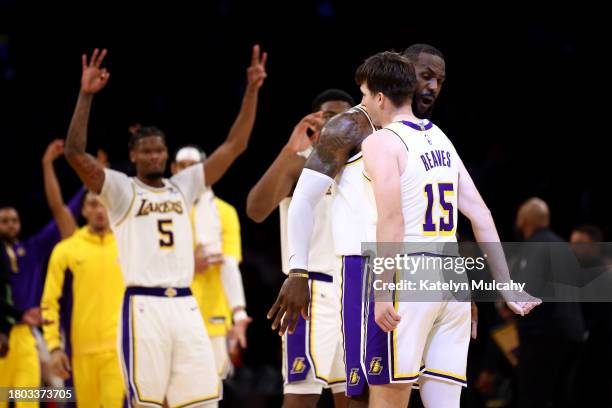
[381, 138]
[352, 124]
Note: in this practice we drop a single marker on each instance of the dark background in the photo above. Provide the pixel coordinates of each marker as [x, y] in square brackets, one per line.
[520, 101]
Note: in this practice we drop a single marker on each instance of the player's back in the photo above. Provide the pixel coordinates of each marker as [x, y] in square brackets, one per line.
[428, 183]
[154, 234]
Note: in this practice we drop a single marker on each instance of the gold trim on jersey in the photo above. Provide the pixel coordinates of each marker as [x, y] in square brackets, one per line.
[156, 190]
[129, 208]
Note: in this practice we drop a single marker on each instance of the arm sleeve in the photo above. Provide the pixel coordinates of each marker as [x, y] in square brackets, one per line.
[191, 183]
[117, 194]
[232, 282]
[52, 293]
[310, 189]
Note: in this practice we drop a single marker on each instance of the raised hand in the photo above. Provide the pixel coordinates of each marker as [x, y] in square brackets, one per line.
[256, 73]
[94, 78]
[54, 150]
[522, 302]
[299, 139]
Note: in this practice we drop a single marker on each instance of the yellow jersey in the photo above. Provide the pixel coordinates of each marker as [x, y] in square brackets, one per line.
[84, 277]
[207, 287]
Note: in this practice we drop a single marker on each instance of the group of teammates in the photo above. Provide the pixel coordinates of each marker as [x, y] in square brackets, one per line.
[155, 231]
[167, 359]
[366, 179]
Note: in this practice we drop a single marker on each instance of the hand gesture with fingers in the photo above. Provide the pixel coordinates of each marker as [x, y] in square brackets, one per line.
[256, 73]
[299, 139]
[94, 78]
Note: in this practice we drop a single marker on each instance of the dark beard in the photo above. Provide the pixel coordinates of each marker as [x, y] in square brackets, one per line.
[154, 176]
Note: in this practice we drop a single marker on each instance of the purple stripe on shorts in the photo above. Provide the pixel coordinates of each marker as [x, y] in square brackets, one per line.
[126, 345]
[297, 362]
[352, 315]
[377, 359]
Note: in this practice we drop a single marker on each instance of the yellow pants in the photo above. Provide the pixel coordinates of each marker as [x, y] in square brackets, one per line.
[98, 381]
[21, 366]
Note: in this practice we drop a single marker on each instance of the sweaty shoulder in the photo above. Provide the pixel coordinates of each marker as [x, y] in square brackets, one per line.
[340, 138]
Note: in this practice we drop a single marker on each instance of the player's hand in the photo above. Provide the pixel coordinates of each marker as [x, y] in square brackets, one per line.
[299, 139]
[4, 345]
[33, 317]
[200, 259]
[521, 302]
[60, 364]
[474, 320]
[237, 336]
[256, 73]
[293, 299]
[94, 78]
[54, 150]
[385, 316]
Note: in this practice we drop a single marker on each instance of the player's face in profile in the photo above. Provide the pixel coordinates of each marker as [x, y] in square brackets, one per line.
[150, 155]
[583, 246]
[371, 103]
[94, 212]
[10, 225]
[332, 108]
[430, 73]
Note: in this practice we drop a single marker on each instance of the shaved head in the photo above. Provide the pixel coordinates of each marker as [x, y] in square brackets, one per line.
[533, 215]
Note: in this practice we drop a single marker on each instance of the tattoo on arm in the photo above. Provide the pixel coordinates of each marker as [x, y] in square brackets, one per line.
[86, 166]
[342, 135]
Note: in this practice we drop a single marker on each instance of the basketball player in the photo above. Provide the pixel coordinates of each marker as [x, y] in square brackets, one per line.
[312, 355]
[165, 350]
[84, 285]
[217, 283]
[337, 155]
[406, 160]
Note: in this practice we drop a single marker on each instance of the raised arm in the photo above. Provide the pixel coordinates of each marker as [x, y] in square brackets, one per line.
[280, 178]
[342, 135]
[93, 79]
[474, 208]
[61, 213]
[238, 137]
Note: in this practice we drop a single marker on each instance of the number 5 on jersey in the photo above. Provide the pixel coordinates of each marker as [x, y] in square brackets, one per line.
[446, 224]
[166, 237]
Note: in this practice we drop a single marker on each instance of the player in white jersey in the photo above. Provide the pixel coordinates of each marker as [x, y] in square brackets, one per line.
[411, 164]
[335, 155]
[166, 352]
[313, 355]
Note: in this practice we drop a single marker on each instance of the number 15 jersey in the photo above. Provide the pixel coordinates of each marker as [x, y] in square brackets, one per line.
[428, 183]
[152, 226]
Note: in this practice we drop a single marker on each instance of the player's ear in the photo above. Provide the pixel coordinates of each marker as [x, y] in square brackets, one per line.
[173, 168]
[132, 156]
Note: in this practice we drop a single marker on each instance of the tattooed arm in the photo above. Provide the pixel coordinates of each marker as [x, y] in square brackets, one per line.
[93, 79]
[340, 137]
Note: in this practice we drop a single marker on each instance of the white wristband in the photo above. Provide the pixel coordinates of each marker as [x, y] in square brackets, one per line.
[240, 315]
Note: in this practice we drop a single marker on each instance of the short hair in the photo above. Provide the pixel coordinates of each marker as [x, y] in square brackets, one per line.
[390, 73]
[413, 52]
[145, 131]
[331, 95]
[593, 231]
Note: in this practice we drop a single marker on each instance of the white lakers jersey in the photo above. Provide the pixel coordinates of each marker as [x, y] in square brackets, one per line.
[429, 182]
[152, 226]
[353, 207]
[321, 255]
